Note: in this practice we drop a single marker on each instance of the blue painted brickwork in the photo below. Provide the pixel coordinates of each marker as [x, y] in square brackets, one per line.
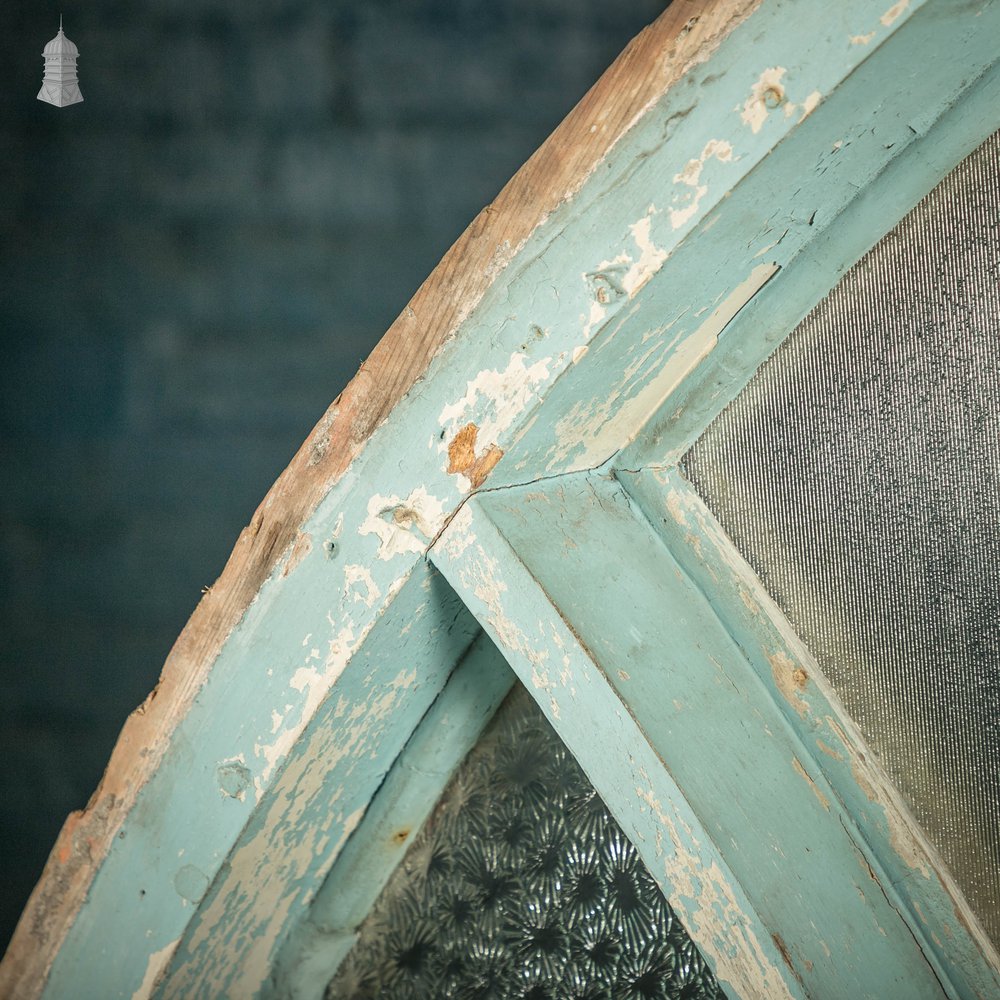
[193, 263]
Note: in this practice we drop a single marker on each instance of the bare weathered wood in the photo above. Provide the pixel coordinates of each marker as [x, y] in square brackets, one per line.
[685, 34]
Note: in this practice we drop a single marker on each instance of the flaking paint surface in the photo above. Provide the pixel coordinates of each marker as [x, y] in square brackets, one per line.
[551, 662]
[156, 964]
[713, 909]
[250, 698]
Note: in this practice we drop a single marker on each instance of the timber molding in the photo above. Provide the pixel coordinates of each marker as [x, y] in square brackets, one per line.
[622, 288]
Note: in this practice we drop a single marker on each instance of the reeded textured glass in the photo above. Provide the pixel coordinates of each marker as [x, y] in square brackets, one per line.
[858, 474]
[522, 885]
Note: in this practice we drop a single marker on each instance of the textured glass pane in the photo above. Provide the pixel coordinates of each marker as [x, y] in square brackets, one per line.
[522, 885]
[858, 473]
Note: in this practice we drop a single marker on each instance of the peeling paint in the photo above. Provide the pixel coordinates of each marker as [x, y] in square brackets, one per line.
[650, 260]
[403, 525]
[766, 94]
[479, 350]
[594, 319]
[902, 835]
[260, 880]
[895, 12]
[592, 431]
[357, 576]
[715, 914]
[810, 104]
[314, 684]
[675, 507]
[459, 535]
[801, 771]
[157, 962]
[862, 39]
[790, 679]
[690, 176]
[494, 399]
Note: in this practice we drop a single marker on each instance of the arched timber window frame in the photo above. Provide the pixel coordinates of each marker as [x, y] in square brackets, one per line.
[505, 463]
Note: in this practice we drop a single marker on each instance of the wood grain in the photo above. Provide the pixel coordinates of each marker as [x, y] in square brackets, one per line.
[684, 35]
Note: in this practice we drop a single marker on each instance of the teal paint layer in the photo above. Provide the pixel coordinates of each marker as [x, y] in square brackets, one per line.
[312, 953]
[701, 709]
[905, 868]
[571, 688]
[816, 250]
[321, 794]
[754, 211]
[263, 859]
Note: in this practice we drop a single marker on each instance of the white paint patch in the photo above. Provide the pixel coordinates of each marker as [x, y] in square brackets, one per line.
[810, 104]
[403, 525]
[313, 683]
[755, 108]
[494, 400]
[357, 576]
[596, 317]
[690, 177]
[488, 586]
[651, 257]
[154, 966]
[894, 13]
[675, 507]
[579, 351]
[862, 39]
[339, 526]
[635, 272]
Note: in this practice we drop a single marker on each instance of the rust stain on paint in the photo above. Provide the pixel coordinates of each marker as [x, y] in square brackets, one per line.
[779, 943]
[791, 681]
[463, 460]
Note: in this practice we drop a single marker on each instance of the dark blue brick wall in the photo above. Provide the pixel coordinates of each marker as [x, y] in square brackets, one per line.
[193, 263]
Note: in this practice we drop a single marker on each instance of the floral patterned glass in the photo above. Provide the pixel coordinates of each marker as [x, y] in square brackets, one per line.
[522, 885]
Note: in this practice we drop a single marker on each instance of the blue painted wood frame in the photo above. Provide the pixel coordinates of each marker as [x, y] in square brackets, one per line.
[791, 139]
[693, 754]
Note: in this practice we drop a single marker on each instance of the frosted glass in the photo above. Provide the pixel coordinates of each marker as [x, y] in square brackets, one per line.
[858, 474]
[522, 885]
